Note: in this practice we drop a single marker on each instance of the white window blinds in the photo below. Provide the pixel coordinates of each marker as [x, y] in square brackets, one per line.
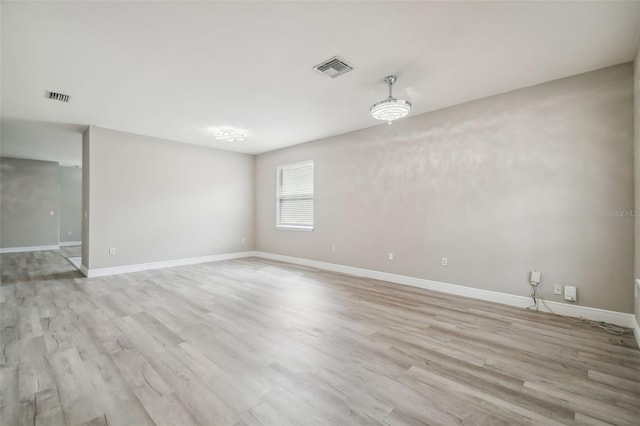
[295, 196]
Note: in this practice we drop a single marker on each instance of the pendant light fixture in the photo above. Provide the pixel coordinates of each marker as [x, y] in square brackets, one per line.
[391, 108]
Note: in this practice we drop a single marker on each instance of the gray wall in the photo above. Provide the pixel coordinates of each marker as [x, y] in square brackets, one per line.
[155, 200]
[29, 191]
[528, 179]
[70, 204]
[86, 167]
[636, 98]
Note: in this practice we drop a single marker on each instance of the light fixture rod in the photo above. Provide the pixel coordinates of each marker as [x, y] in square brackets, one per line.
[390, 80]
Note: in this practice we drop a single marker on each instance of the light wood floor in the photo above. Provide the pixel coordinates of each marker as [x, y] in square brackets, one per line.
[255, 342]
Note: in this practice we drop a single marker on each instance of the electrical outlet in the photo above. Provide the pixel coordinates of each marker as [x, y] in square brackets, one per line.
[50, 212]
[557, 289]
[244, 240]
[570, 293]
[445, 261]
[112, 251]
[333, 248]
[70, 232]
[534, 277]
[390, 256]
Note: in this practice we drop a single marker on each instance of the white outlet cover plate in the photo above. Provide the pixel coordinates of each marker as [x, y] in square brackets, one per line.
[570, 293]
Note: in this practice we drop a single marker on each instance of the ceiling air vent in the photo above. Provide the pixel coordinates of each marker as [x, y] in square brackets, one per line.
[333, 67]
[58, 96]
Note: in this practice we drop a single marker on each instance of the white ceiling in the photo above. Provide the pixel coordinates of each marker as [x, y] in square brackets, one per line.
[175, 70]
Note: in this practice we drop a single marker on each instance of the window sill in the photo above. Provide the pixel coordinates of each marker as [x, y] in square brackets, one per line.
[294, 228]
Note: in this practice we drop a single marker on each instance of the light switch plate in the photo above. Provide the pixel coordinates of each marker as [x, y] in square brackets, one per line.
[557, 289]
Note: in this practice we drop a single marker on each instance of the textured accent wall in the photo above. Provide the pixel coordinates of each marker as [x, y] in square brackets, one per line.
[535, 178]
[29, 192]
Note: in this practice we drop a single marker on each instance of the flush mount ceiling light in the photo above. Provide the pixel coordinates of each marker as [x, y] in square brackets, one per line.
[391, 108]
[229, 135]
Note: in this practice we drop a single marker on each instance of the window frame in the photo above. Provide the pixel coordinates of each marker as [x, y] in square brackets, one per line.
[293, 227]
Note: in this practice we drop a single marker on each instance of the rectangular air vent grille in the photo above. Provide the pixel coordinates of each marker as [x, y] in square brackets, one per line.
[333, 67]
[58, 96]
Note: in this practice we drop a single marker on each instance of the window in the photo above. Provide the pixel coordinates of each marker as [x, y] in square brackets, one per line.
[295, 196]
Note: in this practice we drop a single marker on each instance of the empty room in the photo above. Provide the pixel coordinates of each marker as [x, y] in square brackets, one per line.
[257, 213]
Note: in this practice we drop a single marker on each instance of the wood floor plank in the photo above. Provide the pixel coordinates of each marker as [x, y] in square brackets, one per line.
[237, 394]
[9, 401]
[48, 407]
[120, 405]
[264, 415]
[208, 407]
[252, 342]
[74, 387]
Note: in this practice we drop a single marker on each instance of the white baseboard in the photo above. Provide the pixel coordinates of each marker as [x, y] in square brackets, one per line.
[26, 249]
[70, 243]
[101, 272]
[595, 314]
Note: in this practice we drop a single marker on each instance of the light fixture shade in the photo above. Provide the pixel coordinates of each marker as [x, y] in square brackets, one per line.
[391, 108]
